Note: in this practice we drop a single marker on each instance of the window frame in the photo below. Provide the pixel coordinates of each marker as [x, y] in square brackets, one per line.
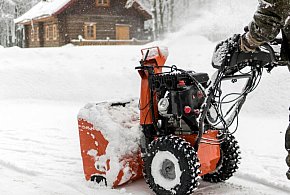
[32, 34]
[37, 33]
[54, 32]
[92, 25]
[50, 32]
[47, 32]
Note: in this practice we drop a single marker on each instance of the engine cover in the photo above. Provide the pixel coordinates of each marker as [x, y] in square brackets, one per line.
[190, 96]
[171, 81]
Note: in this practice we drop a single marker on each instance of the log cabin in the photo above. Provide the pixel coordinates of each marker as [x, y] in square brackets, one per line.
[53, 23]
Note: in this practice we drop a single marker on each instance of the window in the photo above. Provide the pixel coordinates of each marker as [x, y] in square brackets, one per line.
[54, 32]
[104, 3]
[50, 31]
[37, 33]
[32, 34]
[90, 31]
[47, 33]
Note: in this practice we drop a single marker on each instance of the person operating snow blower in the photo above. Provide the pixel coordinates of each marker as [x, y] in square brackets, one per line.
[271, 18]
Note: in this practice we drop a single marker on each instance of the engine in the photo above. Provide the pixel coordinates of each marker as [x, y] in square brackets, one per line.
[179, 97]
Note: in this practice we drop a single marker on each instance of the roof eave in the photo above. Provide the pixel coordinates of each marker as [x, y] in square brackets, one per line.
[147, 15]
[66, 6]
[34, 20]
[26, 21]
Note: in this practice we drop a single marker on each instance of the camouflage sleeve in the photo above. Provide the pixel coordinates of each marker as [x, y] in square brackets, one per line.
[269, 19]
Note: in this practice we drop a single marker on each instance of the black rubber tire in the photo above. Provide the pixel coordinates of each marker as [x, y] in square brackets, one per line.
[228, 165]
[188, 166]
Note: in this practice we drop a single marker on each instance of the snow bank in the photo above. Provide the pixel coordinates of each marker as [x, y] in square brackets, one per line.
[82, 74]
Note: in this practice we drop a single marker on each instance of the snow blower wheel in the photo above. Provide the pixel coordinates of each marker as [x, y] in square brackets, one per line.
[171, 166]
[228, 164]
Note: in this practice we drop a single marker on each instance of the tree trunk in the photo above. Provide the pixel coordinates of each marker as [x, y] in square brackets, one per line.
[171, 15]
[155, 19]
[161, 15]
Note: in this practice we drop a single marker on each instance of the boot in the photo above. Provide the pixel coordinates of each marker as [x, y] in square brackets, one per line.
[288, 163]
[287, 147]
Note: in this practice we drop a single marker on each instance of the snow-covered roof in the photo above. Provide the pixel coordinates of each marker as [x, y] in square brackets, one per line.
[49, 8]
[140, 7]
[43, 9]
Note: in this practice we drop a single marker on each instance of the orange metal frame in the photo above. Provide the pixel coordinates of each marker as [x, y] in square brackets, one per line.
[157, 61]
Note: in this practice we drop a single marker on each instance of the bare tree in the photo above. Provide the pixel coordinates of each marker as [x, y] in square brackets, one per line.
[7, 8]
[171, 15]
[155, 18]
[163, 11]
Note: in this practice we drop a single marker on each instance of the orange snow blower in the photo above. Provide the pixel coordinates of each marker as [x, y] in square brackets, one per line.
[178, 131]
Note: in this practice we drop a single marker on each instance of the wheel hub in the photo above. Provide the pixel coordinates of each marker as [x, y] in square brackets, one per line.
[165, 170]
[168, 170]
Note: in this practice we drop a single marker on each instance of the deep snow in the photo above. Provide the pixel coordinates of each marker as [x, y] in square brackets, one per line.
[42, 90]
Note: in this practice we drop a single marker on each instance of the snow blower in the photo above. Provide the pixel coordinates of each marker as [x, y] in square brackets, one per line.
[178, 131]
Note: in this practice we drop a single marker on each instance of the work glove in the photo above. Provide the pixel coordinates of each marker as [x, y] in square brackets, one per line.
[223, 51]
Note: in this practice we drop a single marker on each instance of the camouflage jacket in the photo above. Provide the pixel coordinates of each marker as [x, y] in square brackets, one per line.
[271, 17]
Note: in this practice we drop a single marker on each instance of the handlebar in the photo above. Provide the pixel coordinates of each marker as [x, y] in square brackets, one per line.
[144, 67]
[265, 57]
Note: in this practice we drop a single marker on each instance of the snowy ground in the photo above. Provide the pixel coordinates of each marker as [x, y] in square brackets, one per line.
[42, 90]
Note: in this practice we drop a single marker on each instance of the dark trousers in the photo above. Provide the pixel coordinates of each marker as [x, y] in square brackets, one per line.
[287, 139]
[285, 47]
[285, 55]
